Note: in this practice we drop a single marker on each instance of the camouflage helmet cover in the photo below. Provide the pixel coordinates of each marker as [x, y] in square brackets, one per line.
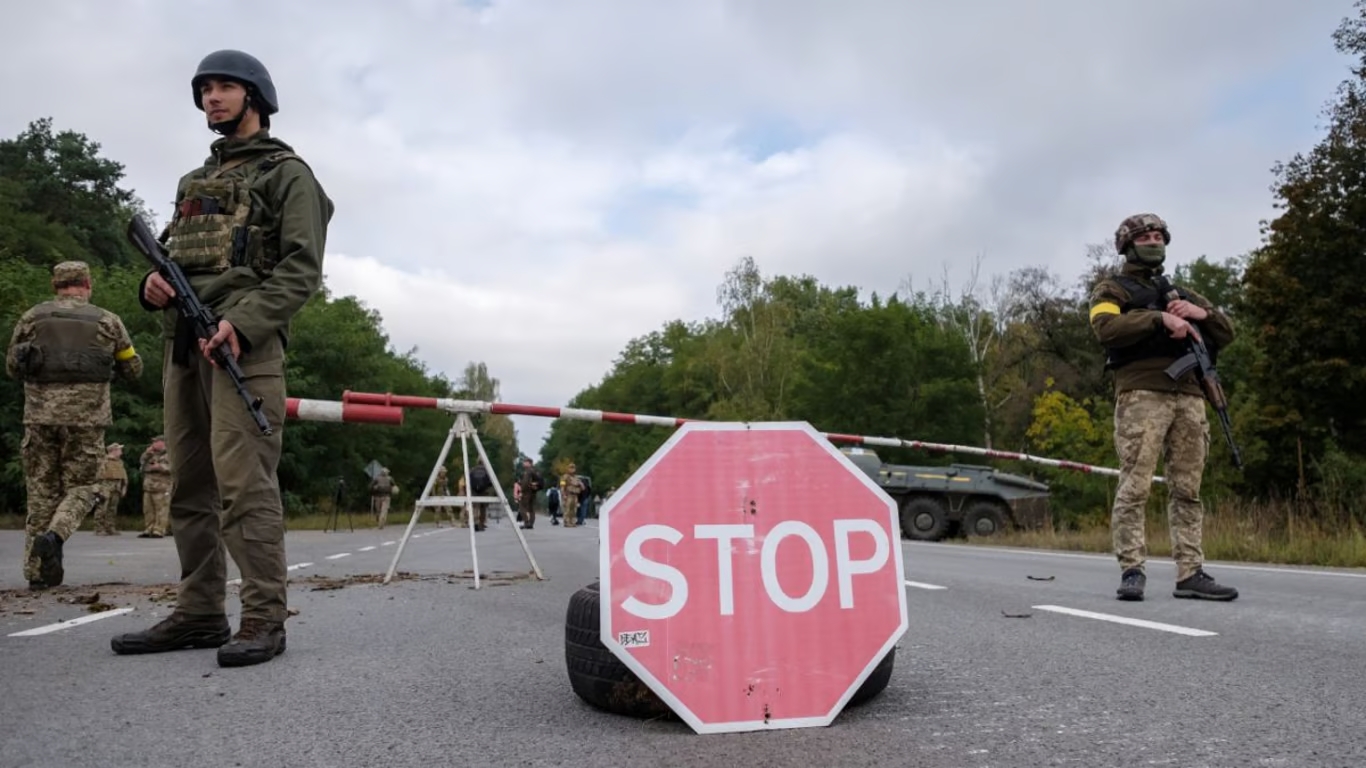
[1138, 224]
[71, 272]
[242, 67]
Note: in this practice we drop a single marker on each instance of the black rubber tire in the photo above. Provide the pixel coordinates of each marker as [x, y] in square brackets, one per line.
[595, 674]
[601, 679]
[924, 519]
[983, 518]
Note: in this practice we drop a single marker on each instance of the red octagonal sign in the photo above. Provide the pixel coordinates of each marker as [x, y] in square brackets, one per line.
[751, 576]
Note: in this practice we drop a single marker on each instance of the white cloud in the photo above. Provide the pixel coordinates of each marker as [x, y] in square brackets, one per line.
[531, 183]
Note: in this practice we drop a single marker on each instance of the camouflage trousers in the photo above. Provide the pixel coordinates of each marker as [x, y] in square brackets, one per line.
[379, 507]
[571, 508]
[107, 513]
[61, 471]
[1172, 427]
[156, 505]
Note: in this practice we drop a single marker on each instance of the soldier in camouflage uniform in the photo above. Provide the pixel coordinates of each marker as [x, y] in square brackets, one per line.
[382, 490]
[1142, 326]
[249, 228]
[113, 481]
[571, 487]
[442, 487]
[156, 490]
[66, 351]
[529, 480]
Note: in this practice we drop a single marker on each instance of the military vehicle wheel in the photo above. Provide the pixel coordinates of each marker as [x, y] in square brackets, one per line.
[983, 518]
[924, 519]
[599, 678]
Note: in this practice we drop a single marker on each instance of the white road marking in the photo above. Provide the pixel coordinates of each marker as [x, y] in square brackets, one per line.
[295, 567]
[367, 549]
[975, 550]
[70, 623]
[922, 585]
[1126, 620]
[339, 556]
[388, 543]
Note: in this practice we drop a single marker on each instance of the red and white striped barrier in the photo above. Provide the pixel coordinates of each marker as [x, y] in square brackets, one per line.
[341, 412]
[583, 414]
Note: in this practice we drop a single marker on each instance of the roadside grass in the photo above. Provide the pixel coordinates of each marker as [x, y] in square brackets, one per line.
[1257, 532]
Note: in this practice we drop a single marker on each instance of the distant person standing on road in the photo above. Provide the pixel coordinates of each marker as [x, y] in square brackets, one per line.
[1156, 417]
[156, 490]
[113, 485]
[529, 480]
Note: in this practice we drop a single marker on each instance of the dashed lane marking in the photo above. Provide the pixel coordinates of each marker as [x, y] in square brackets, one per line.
[1144, 623]
[366, 549]
[294, 567]
[339, 556]
[70, 623]
[922, 585]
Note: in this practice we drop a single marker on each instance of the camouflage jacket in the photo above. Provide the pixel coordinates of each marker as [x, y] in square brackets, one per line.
[73, 405]
[571, 485]
[155, 462]
[289, 217]
[113, 473]
[1118, 327]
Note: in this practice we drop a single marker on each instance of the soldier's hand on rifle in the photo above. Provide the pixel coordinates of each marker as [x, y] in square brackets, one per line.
[157, 291]
[1177, 328]
[226, 333]
[1187, 310]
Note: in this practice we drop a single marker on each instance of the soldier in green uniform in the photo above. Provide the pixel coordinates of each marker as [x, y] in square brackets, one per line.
[382, 491]
[66, 351]
[442, 487]
[249, 229]
[113, 481]
[1143, 332]
[529, 482]
[156, 490]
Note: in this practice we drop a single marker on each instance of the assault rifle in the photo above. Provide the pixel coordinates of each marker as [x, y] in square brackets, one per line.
[1198, 358]
[193, 312]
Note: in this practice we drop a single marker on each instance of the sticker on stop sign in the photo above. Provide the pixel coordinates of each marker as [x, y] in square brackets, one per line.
[751, 576]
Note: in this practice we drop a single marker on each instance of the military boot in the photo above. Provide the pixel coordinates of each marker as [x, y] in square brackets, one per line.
[48, 548]
[1131, 584]
[175, 632]
[257, 641]
[1202, 586]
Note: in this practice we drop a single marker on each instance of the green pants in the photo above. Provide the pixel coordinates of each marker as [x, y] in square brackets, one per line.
[61, 467]
[225, 495]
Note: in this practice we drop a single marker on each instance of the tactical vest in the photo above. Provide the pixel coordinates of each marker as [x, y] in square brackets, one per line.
[213, 230]
[66, 347]
[1159, 345]
[383, 485]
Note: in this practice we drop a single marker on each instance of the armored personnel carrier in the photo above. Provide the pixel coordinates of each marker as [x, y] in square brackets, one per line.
[968, 499]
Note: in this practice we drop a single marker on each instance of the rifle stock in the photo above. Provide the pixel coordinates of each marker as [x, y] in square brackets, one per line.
[198, 316]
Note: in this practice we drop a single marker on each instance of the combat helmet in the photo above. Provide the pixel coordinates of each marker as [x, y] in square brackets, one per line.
[245, 69]
[1138, 224]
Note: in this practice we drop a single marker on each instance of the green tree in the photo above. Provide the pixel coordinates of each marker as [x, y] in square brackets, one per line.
[1303, 294]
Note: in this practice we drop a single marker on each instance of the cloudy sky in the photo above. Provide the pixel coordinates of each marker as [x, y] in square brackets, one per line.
[532, 183]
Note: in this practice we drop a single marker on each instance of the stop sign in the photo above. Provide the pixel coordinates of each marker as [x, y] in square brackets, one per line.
[751, 576]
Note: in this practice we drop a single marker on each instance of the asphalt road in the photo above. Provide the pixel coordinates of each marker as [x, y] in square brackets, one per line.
[427, 671]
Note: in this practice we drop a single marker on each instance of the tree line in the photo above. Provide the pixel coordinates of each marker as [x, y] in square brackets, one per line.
[59, 200]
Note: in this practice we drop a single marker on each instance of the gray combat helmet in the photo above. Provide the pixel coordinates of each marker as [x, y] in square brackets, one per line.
[244, 68]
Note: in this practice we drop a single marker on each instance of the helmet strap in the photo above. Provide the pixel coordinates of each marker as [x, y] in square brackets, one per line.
[229, 127]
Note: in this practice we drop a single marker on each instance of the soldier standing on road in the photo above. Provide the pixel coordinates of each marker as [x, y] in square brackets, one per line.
[1143, 333]
[571, 487]
[66, 351]
[480, 485]
[113, 481]
[382, 490]
[156, 490]
[442, 487]
[249, 229]
[529, 480]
